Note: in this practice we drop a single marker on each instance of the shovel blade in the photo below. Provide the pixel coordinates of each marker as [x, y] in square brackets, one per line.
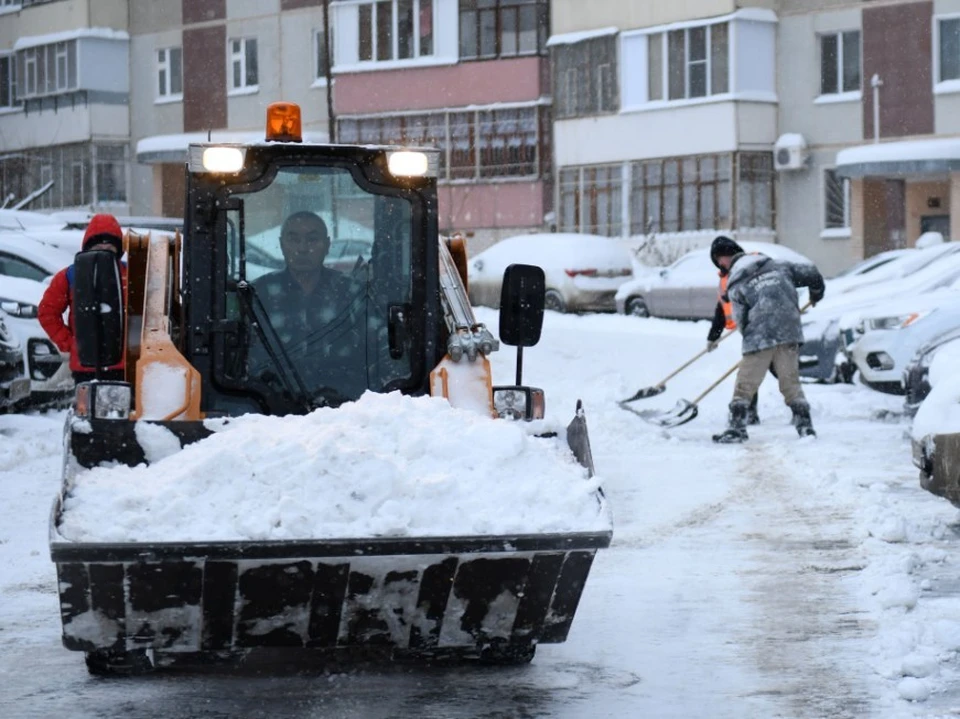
[681, 414]
[646, 393]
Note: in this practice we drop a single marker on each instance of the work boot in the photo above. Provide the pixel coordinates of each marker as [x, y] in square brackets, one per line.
[752, 416]
[801, 418]
[736, 430]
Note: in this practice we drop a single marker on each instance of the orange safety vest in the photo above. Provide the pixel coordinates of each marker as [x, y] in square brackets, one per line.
[726, 303]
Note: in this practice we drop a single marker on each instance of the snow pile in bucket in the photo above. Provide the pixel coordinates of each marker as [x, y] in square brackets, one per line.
[384, 466]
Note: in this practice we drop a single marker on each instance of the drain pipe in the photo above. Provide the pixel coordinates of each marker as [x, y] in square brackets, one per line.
[876, 83]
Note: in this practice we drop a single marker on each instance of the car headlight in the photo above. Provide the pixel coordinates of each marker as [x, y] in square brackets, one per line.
[515, 402]
[893, 322]
[18, 309]
[103, 400]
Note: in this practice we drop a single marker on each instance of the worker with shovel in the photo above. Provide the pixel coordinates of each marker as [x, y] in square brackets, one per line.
[763, 294]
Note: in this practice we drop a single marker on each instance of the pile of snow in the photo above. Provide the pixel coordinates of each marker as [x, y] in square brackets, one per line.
[940, 411]
[929, 239]
[384, 466]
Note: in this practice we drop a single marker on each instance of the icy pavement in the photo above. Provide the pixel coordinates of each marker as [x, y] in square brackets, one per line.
[782, 578]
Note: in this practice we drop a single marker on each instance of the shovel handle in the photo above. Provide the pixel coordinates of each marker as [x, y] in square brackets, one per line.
[690, 361]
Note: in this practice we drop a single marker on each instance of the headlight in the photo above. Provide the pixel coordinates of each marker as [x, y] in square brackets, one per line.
[103, 400]
[18, 309]
[515, 402]
[225, 158]
[895, 321]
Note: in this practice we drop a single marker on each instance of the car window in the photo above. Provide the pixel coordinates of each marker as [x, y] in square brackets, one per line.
[11, 266]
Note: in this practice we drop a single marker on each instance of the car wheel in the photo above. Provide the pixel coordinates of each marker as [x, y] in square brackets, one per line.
[553, 300]
[637, 307]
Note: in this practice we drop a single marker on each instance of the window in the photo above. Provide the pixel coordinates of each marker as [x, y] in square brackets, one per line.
[111, 178]
[678, 194]
[13, 266]
[503, 28]
[840, 62]
[949, 33]
[486, 143]
[755, 190]
[8, 81]
[321, 64]
[585, 77]
[9, 3]
[395, 30]
[836, 201]
[590, 200]
[688, 63]
[46, 69]
[170, 73]
[243, 63]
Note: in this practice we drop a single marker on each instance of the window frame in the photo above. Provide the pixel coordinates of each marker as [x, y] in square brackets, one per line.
[830, 229]
[707, 61]
[840, 93]
[941, 84]
[12, 102]
[541, 13]
[166, 94]
[40, 71]
[578, 78]
[320, 73]
[241, 56]
[417, 55]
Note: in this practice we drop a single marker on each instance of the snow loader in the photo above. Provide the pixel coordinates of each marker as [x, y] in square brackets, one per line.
[186, 325]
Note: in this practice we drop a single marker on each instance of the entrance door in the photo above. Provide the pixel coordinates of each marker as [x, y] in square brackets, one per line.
[936, 223]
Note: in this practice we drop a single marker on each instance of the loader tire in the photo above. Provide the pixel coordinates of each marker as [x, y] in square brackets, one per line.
[553, 300]
[507, 655]
[113, 662]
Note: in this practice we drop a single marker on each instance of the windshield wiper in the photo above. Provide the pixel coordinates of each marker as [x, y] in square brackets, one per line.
[289, 376]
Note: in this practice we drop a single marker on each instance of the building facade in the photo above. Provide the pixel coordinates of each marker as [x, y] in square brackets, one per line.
[64, 91]
[665, 118]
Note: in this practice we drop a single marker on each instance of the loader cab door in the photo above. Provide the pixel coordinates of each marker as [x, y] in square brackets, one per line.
[307, 332]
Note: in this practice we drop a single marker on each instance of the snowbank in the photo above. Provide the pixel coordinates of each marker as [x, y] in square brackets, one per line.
[386, 465]
[940, 411]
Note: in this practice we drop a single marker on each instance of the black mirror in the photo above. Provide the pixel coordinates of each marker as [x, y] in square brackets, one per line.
[663, 273]
[97, 309]
[521, 305]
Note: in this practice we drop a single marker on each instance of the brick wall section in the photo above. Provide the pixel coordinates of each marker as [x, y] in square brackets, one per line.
[906, 97]
[203, 10]
[205, 73]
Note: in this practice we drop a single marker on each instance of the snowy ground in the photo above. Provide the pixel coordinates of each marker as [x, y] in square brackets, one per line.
[783, 578]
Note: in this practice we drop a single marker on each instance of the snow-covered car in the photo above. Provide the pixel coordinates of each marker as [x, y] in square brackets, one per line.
[873, 269]
[24, 257]
[893, 333]
[14, 384]
[821, 355]
[935, 360]
[688, 288]
[47, 368]
[935, 435]
[582, 272]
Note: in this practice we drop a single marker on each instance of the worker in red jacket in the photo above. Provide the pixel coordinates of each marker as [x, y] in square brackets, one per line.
[103, 233]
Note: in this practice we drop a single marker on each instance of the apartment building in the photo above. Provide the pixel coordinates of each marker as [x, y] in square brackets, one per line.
[468, 76]
[869, 101]
[64, 90]
[208, 69]
[665, 118]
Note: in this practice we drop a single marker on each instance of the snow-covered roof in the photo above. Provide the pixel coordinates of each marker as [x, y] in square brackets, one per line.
[173, 148]
[904, 157]
[103, 33]
[569, 38]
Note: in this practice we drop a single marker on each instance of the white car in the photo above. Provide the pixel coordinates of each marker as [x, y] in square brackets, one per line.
[893, 333]
[582, 272]
[26, 258]
[688, 289]
[47, 368]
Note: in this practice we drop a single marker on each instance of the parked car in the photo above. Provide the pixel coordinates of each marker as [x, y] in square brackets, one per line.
[935, 435]
[936, 359]
[21, 256]
[47, 368]
[14, 384]
[876, 268]
[821, 356]
[345, 254]
[582, 272]
[688, 288]
[892, 333]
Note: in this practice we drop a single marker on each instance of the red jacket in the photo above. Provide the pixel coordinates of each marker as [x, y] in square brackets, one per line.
[57, 299]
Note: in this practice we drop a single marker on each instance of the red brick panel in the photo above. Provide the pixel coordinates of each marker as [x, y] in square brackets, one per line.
[897, 47]
[204, 78]
[203, 10]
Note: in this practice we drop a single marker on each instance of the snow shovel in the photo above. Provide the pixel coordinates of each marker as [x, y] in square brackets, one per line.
[684, 412]
[654, 390]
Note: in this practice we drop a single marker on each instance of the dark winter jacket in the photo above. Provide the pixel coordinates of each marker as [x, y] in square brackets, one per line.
[764, 297]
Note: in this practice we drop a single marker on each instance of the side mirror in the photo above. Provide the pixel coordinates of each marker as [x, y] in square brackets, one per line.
[663, 272]
[521, 305]
[97, 309]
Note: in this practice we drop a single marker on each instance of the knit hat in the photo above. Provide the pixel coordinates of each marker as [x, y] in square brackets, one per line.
[103, 228]
[723, 246]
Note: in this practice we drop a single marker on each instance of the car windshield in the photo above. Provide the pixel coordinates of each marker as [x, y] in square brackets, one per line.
[316, 333]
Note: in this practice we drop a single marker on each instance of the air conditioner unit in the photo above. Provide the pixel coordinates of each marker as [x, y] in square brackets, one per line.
[790, 152]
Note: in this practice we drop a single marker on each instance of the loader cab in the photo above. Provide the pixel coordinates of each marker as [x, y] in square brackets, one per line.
[270, 325]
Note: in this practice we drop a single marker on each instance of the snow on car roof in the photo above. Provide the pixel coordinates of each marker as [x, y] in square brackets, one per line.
[383, 466]
[21, 290]
[50, 258]
[25, 220]
[559, 250]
